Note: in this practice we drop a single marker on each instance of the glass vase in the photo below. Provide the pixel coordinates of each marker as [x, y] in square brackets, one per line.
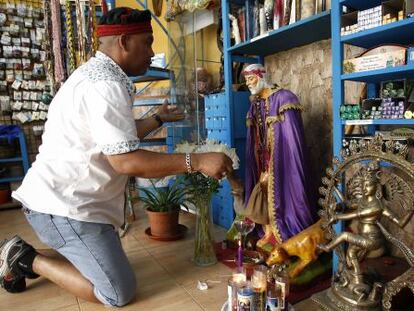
[204, 253]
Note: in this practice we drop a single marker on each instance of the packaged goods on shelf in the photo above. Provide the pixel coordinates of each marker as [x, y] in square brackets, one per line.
[350, 112]
[370, 18]
[384, 59]
[383, 108]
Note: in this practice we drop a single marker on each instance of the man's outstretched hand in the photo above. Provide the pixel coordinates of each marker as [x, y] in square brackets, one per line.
[170, 113]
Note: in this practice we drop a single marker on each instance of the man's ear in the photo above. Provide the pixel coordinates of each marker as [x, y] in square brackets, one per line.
[123, 42]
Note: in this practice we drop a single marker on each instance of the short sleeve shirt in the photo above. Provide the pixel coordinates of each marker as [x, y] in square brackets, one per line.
[90, 117]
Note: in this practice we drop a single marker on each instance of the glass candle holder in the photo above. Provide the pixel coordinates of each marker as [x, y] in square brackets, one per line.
[245, 298]
[259, 284]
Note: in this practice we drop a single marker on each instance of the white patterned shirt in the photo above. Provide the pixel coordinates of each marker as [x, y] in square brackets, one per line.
[90, 117]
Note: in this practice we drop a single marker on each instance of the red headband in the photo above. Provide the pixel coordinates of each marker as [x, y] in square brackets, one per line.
[128, 29]
[256, 72]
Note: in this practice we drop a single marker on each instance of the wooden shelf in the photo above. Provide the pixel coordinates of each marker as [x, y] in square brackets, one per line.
[360, 4]
[376, 76]
[16, 159]
[153, 74]
[379, 122]
[400, 32]
[306, 31]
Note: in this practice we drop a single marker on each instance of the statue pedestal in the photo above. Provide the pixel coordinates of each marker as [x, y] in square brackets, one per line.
[329, 300]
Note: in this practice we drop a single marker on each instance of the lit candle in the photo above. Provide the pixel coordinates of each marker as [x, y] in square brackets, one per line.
[240, 257]
[239, 278]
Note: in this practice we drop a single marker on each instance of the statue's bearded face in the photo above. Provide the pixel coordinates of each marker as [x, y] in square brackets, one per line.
[255, 84]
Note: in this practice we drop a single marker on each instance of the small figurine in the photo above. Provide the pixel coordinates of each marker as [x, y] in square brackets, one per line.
[303, 245]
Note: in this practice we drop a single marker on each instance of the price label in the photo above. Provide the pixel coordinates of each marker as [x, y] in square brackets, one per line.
[359, 122]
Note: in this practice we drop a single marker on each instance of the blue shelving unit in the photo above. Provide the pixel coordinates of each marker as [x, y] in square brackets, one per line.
[395, 33]
[23, 159]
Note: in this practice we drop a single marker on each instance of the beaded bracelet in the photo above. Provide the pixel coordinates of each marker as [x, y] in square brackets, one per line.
[188, 163]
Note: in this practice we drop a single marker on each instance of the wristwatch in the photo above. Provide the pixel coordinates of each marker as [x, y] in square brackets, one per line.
[158, 119]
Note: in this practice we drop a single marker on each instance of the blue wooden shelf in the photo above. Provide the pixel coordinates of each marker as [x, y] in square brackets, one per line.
[150, 101]
[153, 142]
[18, 159]
[306, 31]
[360, 4]
[400, 32]
[379, 122]
[376, 76]
[153, 74]
[11, 179]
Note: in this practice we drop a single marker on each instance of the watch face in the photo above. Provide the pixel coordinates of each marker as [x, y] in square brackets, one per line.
[3, 18]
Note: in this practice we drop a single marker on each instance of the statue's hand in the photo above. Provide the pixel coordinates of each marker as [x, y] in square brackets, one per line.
[332, 220]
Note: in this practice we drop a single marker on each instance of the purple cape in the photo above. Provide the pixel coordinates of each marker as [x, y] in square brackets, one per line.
[291, 205]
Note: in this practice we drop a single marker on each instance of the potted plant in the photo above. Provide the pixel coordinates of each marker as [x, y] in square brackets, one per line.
[163, 206]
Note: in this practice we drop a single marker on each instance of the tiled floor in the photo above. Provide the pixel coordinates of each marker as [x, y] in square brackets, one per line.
[166, 276]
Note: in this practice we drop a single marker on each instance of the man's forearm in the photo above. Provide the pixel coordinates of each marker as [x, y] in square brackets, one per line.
[146, 126]
[147, 164]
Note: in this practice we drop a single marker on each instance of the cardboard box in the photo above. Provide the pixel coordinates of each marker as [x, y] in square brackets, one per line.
[375, 62]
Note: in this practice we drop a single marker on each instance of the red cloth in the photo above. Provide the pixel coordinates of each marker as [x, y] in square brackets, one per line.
[129, 29]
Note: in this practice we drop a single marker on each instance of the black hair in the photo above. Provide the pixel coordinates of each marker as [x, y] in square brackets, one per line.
[125, 16]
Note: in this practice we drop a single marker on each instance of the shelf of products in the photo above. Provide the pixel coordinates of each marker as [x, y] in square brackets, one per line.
[311, 29]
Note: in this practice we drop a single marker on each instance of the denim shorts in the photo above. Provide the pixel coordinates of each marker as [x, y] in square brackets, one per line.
[94, 249]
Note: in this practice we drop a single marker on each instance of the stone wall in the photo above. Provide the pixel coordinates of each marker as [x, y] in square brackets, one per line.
[307, 71]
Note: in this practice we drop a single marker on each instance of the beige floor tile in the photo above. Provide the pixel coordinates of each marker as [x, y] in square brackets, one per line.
[41, 295]
[215, 296]
[166, 276]
[71, 308]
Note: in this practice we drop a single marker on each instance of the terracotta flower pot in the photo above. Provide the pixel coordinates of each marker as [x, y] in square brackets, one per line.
[163, 224]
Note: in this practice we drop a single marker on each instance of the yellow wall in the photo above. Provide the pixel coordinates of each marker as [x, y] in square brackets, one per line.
[160, 38]
[210, 50]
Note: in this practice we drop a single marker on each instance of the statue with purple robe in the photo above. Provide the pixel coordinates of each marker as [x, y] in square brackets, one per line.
[277, 192]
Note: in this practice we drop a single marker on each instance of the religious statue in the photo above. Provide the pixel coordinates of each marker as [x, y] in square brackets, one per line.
[277, 192]
[358, 188]
[369, 236]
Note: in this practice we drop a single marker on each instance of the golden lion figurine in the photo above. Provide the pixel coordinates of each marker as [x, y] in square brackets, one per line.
[302, 245]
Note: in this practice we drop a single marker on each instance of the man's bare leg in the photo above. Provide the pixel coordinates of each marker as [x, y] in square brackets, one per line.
[61, 272]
